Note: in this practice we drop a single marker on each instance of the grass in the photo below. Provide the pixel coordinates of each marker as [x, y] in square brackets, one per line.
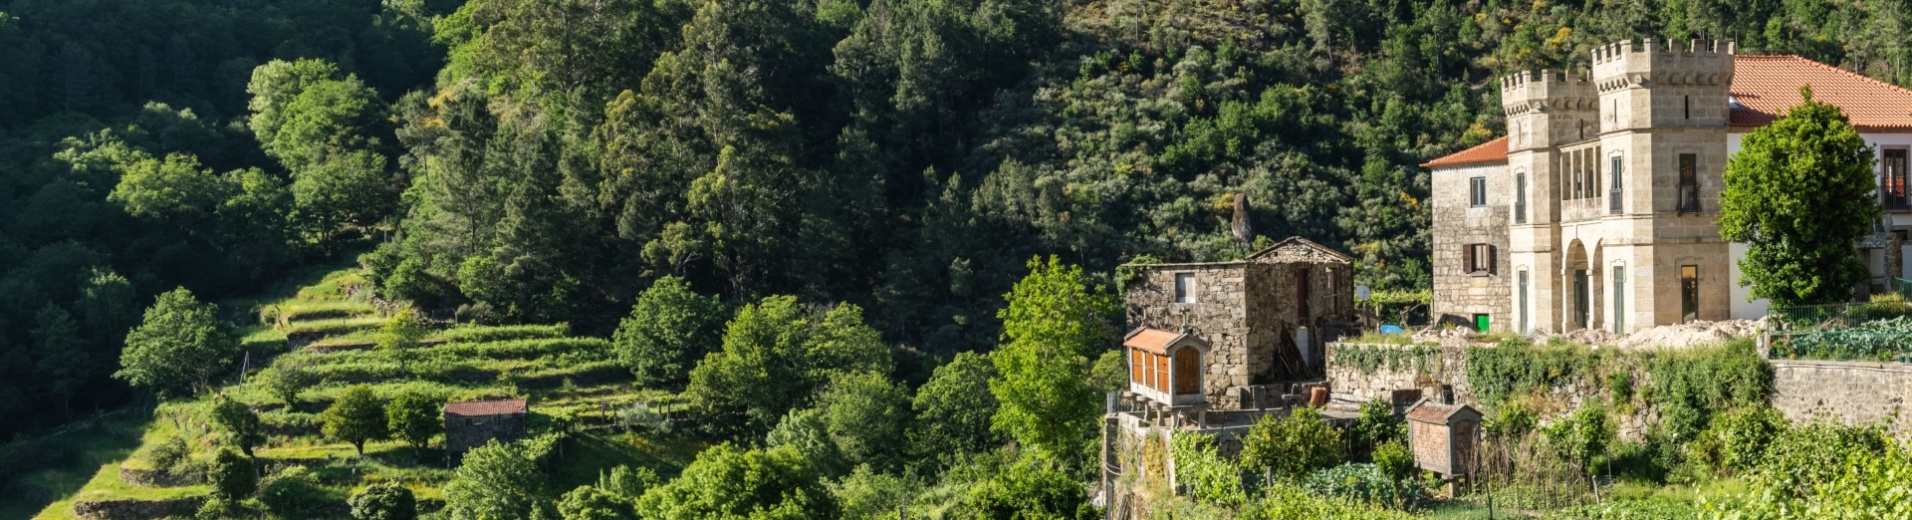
[559, 373]
[70, 460]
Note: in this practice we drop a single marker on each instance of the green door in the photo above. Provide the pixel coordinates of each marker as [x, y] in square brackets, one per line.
[1481, 322]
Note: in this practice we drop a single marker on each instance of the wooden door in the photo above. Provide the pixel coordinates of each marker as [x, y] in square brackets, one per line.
[1188, 371]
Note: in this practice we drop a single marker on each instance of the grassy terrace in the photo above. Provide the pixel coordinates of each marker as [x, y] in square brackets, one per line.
[562, 375]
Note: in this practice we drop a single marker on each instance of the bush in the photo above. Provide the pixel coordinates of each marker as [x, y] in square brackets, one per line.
[1689, 387]
[232, 475]
[1581, 439]
[1499, 372]
[1746, 433]
[292, 491]
[1200, 467]
[1292, 447]
[169, 454]
[1376, 425]
[1394, 460]
[1286, 502]
[384, 501]
[1365, 483]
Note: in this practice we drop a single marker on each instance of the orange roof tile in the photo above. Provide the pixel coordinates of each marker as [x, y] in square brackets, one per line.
[1765, 86]
[1491, 151]
[480, 408]
[1153, 340]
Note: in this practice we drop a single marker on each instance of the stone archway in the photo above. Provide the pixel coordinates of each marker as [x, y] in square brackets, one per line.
[1575, 280]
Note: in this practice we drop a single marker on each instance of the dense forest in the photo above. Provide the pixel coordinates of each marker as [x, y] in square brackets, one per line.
[545, 161]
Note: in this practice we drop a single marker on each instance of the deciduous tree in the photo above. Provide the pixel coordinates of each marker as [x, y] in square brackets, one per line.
[1054, 319]
[180, 344]
[669, 330]
[1800, 194]
[356, 417]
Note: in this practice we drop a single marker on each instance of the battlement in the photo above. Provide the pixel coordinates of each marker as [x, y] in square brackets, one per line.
[1548, 89]
[1663, 62]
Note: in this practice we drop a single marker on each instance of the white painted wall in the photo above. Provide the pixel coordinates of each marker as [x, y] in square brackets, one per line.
[1753, 310]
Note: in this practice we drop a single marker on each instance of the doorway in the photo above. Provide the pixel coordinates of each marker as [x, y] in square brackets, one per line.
[1580, 298]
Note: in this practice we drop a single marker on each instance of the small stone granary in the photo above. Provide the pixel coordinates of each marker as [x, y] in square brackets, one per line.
[1228, 326]
[471, 424]
[1444, 437]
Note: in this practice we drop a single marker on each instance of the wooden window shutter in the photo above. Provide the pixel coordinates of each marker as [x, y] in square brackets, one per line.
[1467, 258]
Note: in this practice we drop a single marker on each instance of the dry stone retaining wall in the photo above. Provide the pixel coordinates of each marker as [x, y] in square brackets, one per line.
[1847, 391]
[138, 509]
[1445, 365]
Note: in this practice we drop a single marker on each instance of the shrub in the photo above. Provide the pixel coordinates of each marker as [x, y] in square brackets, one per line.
[232, 475]
[1689, 387]
[356, 417]
[1394, 460]
[169, 454]
[239, 425]
[1376, 425]
[1199, 466]
[1365, 483]
[1581, 439]
[292, 491]
[415, 418]
[1499, 372]
[639, 415]
[1292, 447]
[384, 501]
[1746, 433]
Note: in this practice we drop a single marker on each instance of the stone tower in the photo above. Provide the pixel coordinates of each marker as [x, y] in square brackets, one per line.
[1546, 110]
[1664, 115]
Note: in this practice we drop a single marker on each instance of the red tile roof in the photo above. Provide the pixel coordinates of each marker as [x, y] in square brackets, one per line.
[1436, 413]
[1765, 86]
[481, 408]
[1151, 340]
[1488, 152]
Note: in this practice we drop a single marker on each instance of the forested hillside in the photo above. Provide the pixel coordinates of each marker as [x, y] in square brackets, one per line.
[520, 161]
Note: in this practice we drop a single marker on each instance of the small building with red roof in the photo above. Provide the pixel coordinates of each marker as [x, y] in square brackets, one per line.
[471, 424]
[1595, 210]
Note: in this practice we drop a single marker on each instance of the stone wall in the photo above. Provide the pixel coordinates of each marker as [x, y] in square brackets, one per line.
[1424, 366]
[144, 477]
[183, 507]
[1851, 392]
[1218, 316]
[1457, 224]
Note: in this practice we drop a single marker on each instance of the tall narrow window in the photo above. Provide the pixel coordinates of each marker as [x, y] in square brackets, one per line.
[1619, 300]
[1614, 192]
[1523, 302]
[1185, 288]
[1520, 198]
[1301, 294]
[1688, 106]
[1892, 189]
[1477, 191]
[1689, 293]
[1689, 191]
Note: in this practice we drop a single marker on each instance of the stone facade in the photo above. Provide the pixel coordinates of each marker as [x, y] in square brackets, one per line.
[1249, 311]
[1438, 367]
[1599, 230]
[1459, 224]
[1845, 391]
[472, 424]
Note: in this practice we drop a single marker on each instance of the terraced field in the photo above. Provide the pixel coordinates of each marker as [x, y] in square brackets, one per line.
[329, 329]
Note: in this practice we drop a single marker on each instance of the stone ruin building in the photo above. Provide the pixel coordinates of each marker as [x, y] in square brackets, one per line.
[472, 424]
[1207, 335]
[1596, 210]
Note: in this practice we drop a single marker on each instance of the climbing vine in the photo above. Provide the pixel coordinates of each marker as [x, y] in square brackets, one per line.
[1367, 359]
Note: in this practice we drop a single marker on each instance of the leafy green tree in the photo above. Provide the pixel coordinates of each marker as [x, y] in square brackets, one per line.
[1292, 447]
[495, 481]
[591, 503]
[730, 482]
[232, 475]
[776, 354]
[61, 354]
[1581, 439]
[388, 500]
[356, 417]
[1376, 425]
[401, 334]
[1799, 194]
[1053, 320]
[868, 495]
[415, 418]
[1028, 489]
[868, 418]
[180, 344]
[287, 378]
[807, 432]
[668, 330]
[953, 409]
[1110, 372]
[239, 424]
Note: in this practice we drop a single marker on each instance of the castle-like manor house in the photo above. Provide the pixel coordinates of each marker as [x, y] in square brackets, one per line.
[1597, 209]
